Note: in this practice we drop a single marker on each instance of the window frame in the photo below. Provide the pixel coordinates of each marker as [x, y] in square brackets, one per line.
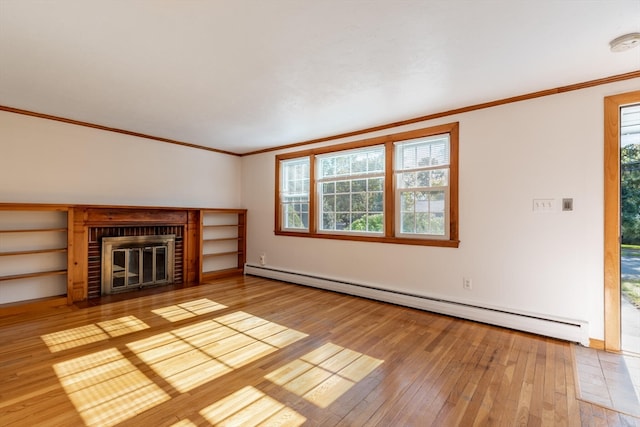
[398, 190]
[390, 194]
[319, 181]
[296, 161]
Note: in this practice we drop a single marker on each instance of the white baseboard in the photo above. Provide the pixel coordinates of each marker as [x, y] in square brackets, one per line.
[565, 329]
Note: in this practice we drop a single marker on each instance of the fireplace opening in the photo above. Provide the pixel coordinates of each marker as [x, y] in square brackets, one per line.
[133, 262]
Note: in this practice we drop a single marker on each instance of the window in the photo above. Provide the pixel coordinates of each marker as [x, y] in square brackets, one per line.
[351, 190]
[400, 188]
[422, 186]
[294, 194]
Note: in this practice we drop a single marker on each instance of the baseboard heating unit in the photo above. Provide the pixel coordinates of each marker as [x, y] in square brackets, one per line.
[564, 329]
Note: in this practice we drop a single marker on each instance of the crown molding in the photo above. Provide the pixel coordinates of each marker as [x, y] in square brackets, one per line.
[532, 95]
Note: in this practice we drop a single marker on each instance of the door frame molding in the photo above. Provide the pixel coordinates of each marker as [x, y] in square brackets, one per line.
[612, 320]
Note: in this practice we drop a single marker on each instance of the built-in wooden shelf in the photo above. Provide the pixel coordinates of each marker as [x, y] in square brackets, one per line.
[32, 252]
[34, 230]
[222, 273]
[222, 239]
[225, 233]
[31, 275]
[10, 309]
[38, 236]
[214, 245]
[213, 254]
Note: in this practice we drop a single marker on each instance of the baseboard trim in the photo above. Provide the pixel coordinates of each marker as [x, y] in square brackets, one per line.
[561, 328]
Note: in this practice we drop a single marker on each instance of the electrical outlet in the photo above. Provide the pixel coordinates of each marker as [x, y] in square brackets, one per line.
[466, 283]
[263, 259]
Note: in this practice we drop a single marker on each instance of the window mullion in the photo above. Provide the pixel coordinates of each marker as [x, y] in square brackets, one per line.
[424, 168]
[430, 189]
[389, 194]
[312, 194]
[365, 175]
[453, 184]
[278, 199]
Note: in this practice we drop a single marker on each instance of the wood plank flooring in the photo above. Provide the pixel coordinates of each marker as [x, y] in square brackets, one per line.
[247, 351]
[607, 379]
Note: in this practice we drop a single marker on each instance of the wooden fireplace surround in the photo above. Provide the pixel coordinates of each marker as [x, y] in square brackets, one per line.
[82, 218]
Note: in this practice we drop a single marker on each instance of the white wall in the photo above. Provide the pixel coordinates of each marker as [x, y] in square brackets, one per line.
[44, 161]
[549, 264]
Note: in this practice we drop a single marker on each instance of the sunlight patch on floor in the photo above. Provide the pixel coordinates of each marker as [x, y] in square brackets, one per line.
[76, 337]
[123, 326]
[180, 363]
[608, 379]
[250, 407]
[106, 388]
[193, 355]
[325, 374]
[184, 423]
[187, 310]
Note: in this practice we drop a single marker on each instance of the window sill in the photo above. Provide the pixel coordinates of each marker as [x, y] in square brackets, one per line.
[372, 239]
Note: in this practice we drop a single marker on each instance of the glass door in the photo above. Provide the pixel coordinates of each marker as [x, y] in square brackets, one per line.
[126, 268]
[630, 228]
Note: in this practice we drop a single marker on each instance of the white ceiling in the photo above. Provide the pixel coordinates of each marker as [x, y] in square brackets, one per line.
[244, 75]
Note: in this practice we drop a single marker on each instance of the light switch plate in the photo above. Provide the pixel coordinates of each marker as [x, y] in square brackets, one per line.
[544, 205]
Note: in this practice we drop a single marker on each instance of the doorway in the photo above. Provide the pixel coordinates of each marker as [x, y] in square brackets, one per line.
[622, 222]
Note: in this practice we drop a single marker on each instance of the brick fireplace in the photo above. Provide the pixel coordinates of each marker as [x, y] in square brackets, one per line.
[208, 243]
[97, 235]
[93, 224]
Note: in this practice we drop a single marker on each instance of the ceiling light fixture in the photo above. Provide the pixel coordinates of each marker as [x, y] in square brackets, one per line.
[626, 42]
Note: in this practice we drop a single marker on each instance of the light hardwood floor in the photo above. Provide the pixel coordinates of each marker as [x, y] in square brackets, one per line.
[608, 379]
[248, 351]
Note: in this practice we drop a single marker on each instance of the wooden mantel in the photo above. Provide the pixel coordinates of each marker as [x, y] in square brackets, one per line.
[81, 219]
[85, 217]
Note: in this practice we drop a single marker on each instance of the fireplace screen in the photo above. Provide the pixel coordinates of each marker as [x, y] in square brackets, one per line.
[134, 262]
